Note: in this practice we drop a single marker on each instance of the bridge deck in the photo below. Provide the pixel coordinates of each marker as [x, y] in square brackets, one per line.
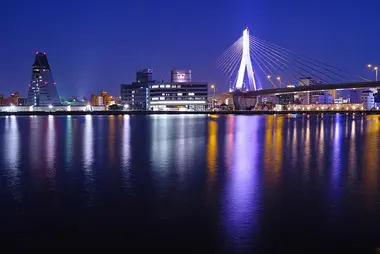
[312, 88]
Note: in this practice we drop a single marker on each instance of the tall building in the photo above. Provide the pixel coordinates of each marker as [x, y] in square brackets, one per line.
[144, 75]
[136, 95]
[42, 88]
[180, 76]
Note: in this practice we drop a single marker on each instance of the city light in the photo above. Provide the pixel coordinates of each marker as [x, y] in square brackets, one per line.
[213, 87]
[375, 68]
[50, 106]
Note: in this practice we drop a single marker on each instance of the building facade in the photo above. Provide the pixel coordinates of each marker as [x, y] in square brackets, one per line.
[323, 97]
[180, 93]
[177, 95]
[42, 88]
[367, 99]
[135, 96]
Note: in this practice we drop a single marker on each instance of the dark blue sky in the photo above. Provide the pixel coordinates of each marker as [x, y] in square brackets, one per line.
[99, 44]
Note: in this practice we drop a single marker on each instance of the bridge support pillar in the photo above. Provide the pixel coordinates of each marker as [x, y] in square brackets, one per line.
[242, 102]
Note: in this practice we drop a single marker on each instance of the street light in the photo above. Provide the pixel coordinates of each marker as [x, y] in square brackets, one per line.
[279, 80]
[213, 87]
[375, 68]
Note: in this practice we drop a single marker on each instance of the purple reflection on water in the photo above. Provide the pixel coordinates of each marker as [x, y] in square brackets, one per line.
[242, 190]
[336, 158]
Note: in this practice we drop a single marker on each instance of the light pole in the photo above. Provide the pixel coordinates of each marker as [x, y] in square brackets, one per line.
[213, 87]
[375, 68]
[279, 80]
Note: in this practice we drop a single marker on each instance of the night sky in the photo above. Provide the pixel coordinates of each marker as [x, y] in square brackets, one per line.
[99, 44]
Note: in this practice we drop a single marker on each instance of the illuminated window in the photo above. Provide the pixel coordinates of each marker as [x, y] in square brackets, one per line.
[174, 86]
[167, 86]
[179, 93]
[191, 94]
[162, 98]
[154, 98]
[155, 86]
[162, 86]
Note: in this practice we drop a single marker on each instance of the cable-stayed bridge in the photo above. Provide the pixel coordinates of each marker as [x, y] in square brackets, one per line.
[255, 67]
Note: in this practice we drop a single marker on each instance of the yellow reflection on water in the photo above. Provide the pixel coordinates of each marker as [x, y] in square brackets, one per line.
[268, 142]
[370, 162]
[278, 143]
[212, 147]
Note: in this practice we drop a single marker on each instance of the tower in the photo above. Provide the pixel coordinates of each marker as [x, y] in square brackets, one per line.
[42, 88]
[245, 64]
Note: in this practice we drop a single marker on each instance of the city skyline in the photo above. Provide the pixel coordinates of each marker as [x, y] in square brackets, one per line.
[86, 61]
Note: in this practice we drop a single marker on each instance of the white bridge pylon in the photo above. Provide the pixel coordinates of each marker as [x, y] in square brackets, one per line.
[245, 64]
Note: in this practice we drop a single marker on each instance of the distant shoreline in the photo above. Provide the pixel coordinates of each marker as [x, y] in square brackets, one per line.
[107, 113]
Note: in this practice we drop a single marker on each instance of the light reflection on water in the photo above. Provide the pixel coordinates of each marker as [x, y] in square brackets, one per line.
[51, 151]
[12, 156]
[239, 178]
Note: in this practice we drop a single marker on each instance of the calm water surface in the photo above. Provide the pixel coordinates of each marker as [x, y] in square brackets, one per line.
[262, 184]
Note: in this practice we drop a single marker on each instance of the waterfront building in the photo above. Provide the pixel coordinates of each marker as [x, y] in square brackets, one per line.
[180, 93]
[367, 99]
[42, 87]
[101, 100]
[175, 95]
[285, 99]
[136, 95]
[323, 97]
[325, 107]
[355, 95]
[21, 101]
[14, 99]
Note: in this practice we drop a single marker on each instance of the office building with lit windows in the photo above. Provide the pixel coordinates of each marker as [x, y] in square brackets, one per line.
[172, 96]
[42, 88]
[179, 94]
[136, 95]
